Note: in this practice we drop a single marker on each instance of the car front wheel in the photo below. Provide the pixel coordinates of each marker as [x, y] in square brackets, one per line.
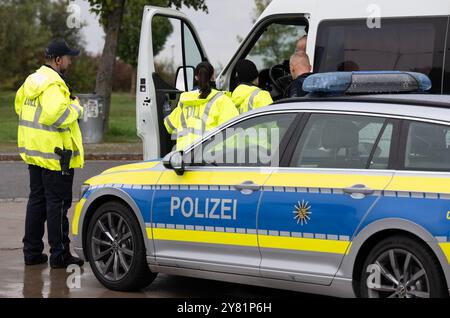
[116, 249]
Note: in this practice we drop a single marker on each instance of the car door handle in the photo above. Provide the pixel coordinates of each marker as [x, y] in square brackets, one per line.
[247, 187]
[361, 189]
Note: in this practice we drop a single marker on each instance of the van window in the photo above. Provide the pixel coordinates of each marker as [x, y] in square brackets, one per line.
[270, 48]
[276, 44]
[428, 147]
[404, 44]
[174, 46]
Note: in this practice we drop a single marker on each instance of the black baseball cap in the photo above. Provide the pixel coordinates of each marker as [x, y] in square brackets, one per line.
[59, 48]
[246, 71]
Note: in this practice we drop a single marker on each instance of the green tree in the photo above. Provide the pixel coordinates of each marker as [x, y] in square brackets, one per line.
[111, 14]
[23, 39]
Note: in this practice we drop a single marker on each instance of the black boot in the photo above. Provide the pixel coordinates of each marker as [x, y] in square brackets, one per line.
[66, 261]
[41, 259]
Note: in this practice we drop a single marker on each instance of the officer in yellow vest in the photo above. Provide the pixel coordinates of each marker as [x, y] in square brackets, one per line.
[248, 95]
[50, 142]
[199, 111]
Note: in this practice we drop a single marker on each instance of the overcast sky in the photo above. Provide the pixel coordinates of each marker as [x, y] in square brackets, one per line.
[218, 30]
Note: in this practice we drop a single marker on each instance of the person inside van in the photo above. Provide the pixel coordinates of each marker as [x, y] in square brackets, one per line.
[300, 69]
[301, 45]
[199, 111]
[248, 95]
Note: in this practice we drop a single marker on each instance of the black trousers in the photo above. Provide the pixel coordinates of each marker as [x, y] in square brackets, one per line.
[50, 199]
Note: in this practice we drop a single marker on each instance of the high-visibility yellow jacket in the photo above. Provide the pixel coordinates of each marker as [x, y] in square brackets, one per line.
[194, 116]
[247, 97]
[48, 119]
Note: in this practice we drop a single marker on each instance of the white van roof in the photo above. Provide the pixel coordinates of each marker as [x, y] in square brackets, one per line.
[351, 9]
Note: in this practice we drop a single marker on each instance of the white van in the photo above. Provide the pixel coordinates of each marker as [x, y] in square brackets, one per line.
[407, 35]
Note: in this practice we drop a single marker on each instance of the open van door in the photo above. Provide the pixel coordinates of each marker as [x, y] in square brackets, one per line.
[168, 54]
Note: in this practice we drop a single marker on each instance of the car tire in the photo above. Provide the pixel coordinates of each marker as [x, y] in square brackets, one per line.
[116, 249]
[408, 262]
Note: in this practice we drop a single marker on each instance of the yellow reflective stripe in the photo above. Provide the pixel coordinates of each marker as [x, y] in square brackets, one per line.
[208, 107]
[265, 241]
[35, 125]
[304, 244]
[36, 153]
[78, 109]
[420, 184]
[187, 131]
[182, 119]
[327, 180]
[212, 178]
[38, 112]
[446, 249]
[205, 237]
[169, 123]
[133, 166]
[76, 216]
[62, 118]
[252, 98]
[127, 177]
[425, 184]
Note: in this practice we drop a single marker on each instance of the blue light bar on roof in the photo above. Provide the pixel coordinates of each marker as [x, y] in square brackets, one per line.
[374, 82]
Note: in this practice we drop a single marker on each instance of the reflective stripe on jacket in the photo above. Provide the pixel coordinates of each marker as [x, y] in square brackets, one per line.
[194, 116]
[48, 118]
[247, 98]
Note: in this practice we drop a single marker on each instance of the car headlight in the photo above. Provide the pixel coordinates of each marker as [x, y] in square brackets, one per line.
[84, 189]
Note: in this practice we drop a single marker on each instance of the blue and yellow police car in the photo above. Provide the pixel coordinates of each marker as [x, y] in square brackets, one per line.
[343, 193]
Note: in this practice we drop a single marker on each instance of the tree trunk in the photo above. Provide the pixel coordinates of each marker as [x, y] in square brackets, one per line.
[133, 82]
[105, 72]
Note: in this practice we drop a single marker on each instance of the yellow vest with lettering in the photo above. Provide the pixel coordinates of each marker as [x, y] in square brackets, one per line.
[195, 116]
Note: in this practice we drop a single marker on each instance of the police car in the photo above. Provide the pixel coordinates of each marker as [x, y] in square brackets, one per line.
[348, 196]
[350, 35]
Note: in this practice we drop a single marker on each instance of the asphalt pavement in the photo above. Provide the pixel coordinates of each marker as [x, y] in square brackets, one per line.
[14, 178]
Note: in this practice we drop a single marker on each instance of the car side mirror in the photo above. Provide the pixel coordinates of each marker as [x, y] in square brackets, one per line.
[174, 161]
[180, 83]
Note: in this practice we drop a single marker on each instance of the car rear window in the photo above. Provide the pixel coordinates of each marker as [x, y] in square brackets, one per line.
[428, 147]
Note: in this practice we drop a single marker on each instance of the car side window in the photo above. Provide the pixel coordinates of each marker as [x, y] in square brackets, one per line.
[428, 147]
[344, 141]
[253, 142]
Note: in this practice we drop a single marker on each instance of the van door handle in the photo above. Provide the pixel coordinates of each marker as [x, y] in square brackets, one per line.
[247, 187]
[358, 191]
